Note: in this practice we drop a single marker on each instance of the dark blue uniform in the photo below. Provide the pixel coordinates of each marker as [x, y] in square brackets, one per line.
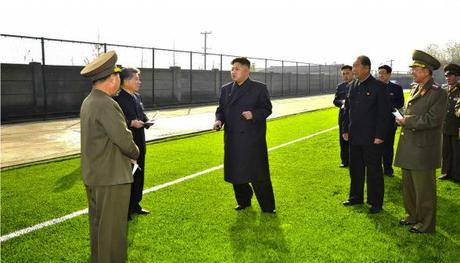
[339, 101]
[396, 95]
[133, 109]
[366, 118]
[245, 156]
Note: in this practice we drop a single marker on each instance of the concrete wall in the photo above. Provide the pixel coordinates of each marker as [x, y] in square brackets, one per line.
[31, 92]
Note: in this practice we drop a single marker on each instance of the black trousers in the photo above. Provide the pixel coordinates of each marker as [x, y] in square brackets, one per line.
[263, 191]
[344, 145]
[388, 151]
[344, 149]
[366, 160]
[138, 185]
[451, 156]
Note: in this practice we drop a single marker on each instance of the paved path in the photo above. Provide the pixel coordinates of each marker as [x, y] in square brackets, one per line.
[37, 141]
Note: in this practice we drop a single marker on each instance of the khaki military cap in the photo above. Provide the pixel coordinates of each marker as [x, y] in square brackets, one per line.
[452, 68]
[101, 67]
[424, 60]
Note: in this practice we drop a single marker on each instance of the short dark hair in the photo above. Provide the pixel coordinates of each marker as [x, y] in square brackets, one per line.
[346, 67]
[128, 73]
[242, 61]
[386, 68]
[365, 61]
[104, 78]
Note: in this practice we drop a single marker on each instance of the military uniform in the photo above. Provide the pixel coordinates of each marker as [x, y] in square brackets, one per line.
[339, 101]
[419, 148]
[451, 128]
[106, 149]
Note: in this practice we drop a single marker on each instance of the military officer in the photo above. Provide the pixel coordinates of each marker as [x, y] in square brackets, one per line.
[339, 101]
[451, 127]
[365, 127]
[395, 93]
[107, 151]
[419, 147]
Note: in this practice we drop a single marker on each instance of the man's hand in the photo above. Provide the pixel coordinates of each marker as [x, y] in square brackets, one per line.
[137, 124]
[133, 161]
[247, 115]
[217, 125]
[345, 136]
[378, 141]
[401, 122]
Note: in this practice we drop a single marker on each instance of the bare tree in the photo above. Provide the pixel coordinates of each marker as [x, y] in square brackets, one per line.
[449, 54]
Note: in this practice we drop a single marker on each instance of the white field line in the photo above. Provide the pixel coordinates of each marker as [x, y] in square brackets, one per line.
[146, 191]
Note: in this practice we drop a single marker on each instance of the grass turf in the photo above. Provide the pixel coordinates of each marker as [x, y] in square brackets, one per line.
[193, 221]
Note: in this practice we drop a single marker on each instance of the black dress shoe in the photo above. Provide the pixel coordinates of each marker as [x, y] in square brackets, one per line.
[415, 230]
[241, 207]
[130, 217]
[404, 222]
[390, 174]
[142, 211]
[375, 210]
[351, 202]
[270, 211]
[444, 177]
[343, 165]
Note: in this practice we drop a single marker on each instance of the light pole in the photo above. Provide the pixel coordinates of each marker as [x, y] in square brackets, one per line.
[205, 33]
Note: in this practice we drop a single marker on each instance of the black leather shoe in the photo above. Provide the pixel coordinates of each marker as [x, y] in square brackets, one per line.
[351, 202]
[130, 217]
[415, 230]
[241, 207]
[404, 222]
[375, 210]
[343, 165]
[390, 174]
[444, 177]
[142, 211]
[270, 211]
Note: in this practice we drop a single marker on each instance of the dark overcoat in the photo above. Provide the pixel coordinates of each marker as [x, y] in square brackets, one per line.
[245, 157]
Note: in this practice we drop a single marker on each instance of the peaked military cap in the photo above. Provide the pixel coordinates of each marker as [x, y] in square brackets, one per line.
[452, 68]
[101, 67]
[424, 60]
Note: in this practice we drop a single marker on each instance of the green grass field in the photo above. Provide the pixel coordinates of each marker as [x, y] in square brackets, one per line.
[194, 221]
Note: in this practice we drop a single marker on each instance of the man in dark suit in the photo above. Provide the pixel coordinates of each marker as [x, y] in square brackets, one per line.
[244, 106]
[130, 102]
[395, 93]
[366, 125]
[339, 101]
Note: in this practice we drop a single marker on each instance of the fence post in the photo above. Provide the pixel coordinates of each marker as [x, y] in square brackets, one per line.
[220, 74]
[282, 78]
[45, 99]
[296, 78]
[191, 66]
[153, 77]
[105, 47]
[309, 79]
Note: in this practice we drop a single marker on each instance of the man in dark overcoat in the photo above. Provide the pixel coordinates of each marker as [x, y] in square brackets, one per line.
[244, 106]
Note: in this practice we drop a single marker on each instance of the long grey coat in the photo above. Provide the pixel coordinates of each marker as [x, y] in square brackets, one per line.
[419, 146]
[246, 157]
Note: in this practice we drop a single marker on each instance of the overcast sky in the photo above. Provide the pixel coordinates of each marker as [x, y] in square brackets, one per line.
[324, 31]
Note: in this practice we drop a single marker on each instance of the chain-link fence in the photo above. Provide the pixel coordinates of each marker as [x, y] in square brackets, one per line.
[40, 76]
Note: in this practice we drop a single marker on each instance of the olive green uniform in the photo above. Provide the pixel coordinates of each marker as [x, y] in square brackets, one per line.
[419, 153]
